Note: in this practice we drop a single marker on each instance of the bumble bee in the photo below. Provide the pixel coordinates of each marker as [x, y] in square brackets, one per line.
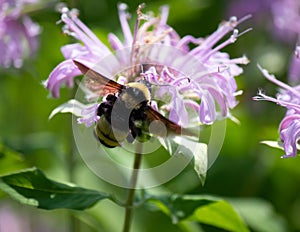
[126, 113]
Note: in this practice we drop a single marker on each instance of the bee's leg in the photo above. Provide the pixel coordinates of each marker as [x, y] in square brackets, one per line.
[106, 105]
[100, 110]
[132, 134]
[134, 131]
[111, 98]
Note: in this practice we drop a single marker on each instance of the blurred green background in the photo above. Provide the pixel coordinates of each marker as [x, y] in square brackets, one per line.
[244, 169]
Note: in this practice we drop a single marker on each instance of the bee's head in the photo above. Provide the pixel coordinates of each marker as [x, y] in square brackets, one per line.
[138, 91]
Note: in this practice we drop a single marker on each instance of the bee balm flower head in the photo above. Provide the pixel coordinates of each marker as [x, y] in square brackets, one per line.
[199, 78]
[18, 34]
[289, 128]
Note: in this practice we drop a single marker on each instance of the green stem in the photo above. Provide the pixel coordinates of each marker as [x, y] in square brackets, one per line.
[71, 162]
[133, 182]
[74, 223]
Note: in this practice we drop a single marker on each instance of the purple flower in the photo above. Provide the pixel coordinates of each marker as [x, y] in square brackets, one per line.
[201, 78]
[257, 8]
[289, 128]
[18, 34]
[11, 220]
[285, 16]
[294, 69]
[280, 16]
[15, 219]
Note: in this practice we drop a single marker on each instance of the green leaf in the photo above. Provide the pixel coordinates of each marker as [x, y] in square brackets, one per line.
[72, 106]
[200, 160]
[190, 149]
[33, 188]
[220, 214]
[274, 144]
[200, 208]
[259, 215]
[10, 160]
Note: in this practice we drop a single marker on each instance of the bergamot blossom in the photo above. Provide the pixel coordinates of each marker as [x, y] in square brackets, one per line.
[285, 15]
[289, 128]
[199, 78]
[281, 19]
[18, 34]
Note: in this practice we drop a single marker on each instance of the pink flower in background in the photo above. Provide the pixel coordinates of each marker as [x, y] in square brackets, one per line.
[289, 128]
[294, 70]
[286, 16]
[201, 78]
[12, 221]
[18, 34]
[21, 219]
[257, 8]
[281, 18]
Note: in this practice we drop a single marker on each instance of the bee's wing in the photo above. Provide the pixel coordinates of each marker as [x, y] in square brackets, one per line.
[98, 83]
[171, 127]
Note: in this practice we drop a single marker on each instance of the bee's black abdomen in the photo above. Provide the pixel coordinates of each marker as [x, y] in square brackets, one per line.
[102, 141]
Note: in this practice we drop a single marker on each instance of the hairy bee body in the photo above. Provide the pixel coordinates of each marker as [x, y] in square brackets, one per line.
[126, 113]
[129, 114]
